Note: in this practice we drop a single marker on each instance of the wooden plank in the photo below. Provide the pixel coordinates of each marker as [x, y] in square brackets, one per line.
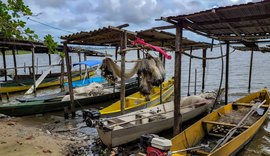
[221, 123]
[248, 105]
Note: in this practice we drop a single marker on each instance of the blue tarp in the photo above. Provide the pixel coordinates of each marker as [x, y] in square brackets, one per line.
[80, 83]
[89, 63]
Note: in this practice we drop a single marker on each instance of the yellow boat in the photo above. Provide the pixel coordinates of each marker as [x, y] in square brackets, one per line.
[137, 101]
[226, 136]
[9, 87]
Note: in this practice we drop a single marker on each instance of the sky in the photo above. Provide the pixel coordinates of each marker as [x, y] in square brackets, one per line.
[68, 16]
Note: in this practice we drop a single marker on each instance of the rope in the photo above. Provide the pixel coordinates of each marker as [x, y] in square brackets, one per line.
[208, 58]
[221, 78]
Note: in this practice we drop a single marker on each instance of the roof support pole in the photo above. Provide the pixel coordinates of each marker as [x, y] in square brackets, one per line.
[80, 66]
[15, 64]
[160, 87]
[227, 71]
[85, 66]
[203, 67]
[4, 63]
[250, 70]
[33, 70]
[123, 59]
[189, 71]
[62, 75]
[177, 79]
[68, 65]
[116, 50]
[50, 61]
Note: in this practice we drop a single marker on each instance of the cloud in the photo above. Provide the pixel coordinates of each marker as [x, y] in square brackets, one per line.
[85, 15]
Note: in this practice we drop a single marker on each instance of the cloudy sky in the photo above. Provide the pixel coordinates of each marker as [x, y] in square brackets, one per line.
[85, 15]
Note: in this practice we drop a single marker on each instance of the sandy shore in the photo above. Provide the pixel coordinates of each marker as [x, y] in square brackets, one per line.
[43, 135]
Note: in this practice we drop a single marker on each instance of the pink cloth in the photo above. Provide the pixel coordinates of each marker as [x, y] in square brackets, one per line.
[156, 48]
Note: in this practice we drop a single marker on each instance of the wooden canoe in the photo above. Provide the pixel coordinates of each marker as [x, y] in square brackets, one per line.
[137, 101]
[216, 130]
[129, 127]
[49, 105]
[13, 86]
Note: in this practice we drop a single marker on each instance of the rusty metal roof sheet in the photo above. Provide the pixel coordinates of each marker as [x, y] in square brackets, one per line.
[249, 21]
[104, 36]
[167, 39]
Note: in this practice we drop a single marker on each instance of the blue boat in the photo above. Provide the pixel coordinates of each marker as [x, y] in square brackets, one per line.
[85, 82]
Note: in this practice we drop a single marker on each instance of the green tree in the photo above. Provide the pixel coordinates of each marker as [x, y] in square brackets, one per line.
[11, 23]
[52, 45]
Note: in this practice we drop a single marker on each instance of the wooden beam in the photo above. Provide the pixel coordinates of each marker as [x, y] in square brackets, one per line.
[122, 47]
[4, 63]
[33, 70]
[203, 67]
[250, 70]
[164, 27]
[227, 72]
[68, 65]
[189, 71]
[15, 64]
[177, 79]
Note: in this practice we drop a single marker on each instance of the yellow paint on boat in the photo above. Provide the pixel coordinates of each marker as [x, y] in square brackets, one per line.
[195, 133]
[138, 100]
[42, 85]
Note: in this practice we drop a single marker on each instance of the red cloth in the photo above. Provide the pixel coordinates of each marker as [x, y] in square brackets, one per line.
[156, 48]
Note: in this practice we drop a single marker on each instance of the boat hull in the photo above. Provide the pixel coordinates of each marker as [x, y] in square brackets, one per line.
[231, 147]
[123, 136]
[37, 107]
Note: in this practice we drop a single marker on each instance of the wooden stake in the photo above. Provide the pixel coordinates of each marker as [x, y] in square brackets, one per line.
[33, 68]
[50, 62]
[189, 71]
[68, 65]
[250, 70]
[4, 63]
[80, 66]
[177, 79]
[227, 71]
[62, 81]
[195, 82]
[123, 46]
[15, 64]
[203, 67]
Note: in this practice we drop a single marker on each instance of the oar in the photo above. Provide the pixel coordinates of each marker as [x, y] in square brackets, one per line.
[233, 130]
[189, 149]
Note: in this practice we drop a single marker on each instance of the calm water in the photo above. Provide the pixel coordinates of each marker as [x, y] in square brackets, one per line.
[238, 81]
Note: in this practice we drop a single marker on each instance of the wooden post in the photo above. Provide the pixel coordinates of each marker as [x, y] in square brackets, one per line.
[227, 71]
[250, 70]
[68, 65]
[62, 81]
[138, 54]
[33, 70]
[160, 87]
[80, 66]
[4, 63]
[123, 46]
[195, 82]
[177, 79]
[85, 66]
[189, 71]
[15, 64]
[203, 67]
[50, 61]
[37, 67]
[116, 50]
[24, 67]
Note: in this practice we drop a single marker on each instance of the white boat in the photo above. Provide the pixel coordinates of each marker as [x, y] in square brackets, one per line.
[129, 127]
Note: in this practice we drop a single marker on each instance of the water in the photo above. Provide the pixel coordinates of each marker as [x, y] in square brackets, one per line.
[238, 79]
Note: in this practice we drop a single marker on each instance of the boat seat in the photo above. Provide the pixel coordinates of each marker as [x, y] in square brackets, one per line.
[199, 152]
[222, 123]
[117, 121]
[248, 105]
[134, 98]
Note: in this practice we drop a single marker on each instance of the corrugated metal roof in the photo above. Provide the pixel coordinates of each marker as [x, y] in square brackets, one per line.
[104, 36]
[167, 39]
[246, 21]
